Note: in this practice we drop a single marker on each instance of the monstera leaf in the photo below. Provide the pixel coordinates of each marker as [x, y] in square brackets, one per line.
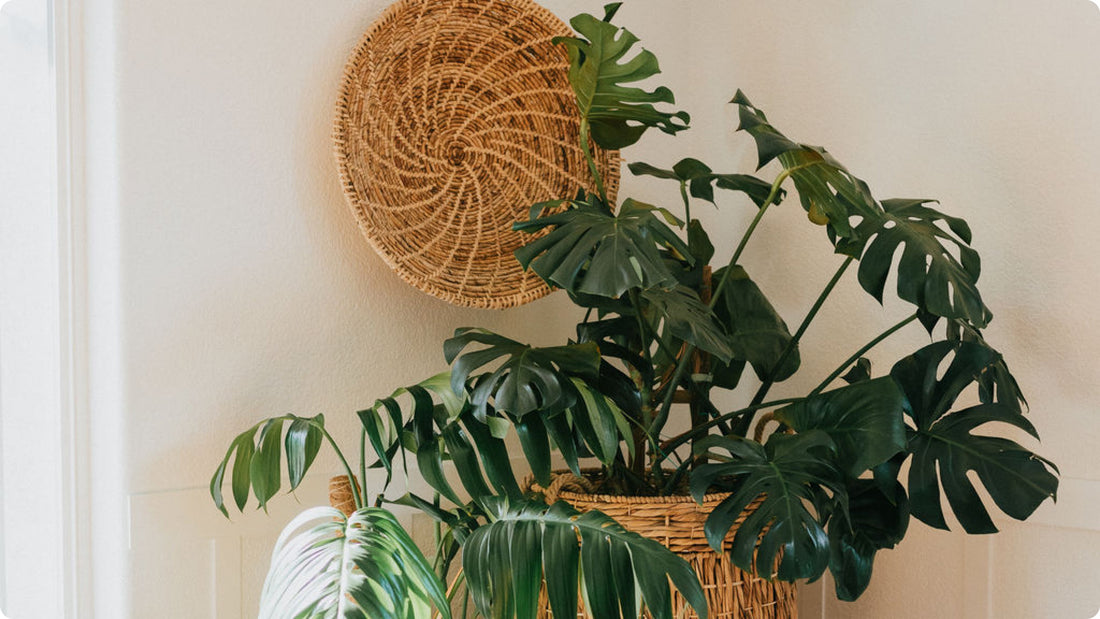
[591, 251]
[789, 474]
[529, 379]
[505, 563]
[257, 455]
[686, 318]
[863, 419]
[928, 275]
[945, 448]
[617, 115]
[701, 180]
[757, 332]
[328, 566]
[829, 193]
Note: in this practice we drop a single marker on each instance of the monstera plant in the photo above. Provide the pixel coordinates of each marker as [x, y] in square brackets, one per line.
[662, 335]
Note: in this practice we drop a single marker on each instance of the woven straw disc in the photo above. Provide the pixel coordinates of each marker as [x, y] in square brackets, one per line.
[454, 117]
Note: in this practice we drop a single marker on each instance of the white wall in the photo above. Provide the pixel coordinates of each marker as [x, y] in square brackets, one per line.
[228, 280]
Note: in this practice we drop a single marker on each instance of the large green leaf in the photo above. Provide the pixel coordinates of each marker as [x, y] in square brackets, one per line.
[946, 450]
[257, 456]
[591, 251]
[505, 563]
[701, 180]
[528, 379]
[683, 316]
[326, 566]
[829, 193]
[787, 473]
[758, 334]
[865, 420]
[618, 115]
[928, 274]
[874, 520]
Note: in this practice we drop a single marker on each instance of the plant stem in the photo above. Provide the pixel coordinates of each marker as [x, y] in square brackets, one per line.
[662, 414]
[687, 202]
[743, 425]
[356, 496]
[673, 443]
[859, 353]
[591, 161]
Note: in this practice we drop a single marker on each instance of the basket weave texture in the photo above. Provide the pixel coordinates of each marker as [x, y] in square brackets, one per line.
[455, 116]
[677, 522]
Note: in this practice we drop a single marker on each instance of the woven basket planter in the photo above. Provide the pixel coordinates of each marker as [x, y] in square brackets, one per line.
[677, 522]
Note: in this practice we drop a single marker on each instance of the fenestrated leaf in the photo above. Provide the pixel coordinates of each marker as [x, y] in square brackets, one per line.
[701, 180]
[591, 251]
[865, 421]
[686, 318]
[528, 379]
[945, 449]
[786, 472]
[326, 566]
[618, 115]
[526, 540]
[757, 333]
[829, 193]
[928, 275]
[872, 522]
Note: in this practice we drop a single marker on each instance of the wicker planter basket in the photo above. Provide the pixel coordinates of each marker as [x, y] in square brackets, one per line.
[677, 522]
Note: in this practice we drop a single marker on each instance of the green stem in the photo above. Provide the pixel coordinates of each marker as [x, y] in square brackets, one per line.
[359, 504]
[743, 425]
[587, 150]
[666, 404]
[687, 201]
[675, 442]
[859, 353]
[363, 458]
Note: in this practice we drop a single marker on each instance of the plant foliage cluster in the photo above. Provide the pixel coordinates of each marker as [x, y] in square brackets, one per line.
[663, 333]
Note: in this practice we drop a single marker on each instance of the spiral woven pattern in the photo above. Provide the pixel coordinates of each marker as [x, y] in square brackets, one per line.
[454, 117]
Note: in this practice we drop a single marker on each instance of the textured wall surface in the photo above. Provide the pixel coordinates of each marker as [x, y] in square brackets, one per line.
[229, 281]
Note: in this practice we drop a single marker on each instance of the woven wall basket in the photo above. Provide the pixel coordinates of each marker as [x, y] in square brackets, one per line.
[677, 522]
[453, 118]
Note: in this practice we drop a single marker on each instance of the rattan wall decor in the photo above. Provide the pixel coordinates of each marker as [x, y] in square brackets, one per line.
[453, 118]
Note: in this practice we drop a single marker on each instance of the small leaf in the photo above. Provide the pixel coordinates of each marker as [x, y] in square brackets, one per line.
[303, 441]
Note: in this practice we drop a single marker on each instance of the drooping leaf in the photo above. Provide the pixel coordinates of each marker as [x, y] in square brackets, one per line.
[257, 456]
[303, 441]
[874, 521]
[757, 333]
[701, 180]
[326, 566]
[601, 423]
[865, 421]
[829, 193]
[945, 448]
[618, 115]
[527, 380]
[591, 251]
[928, 274]
[505, 561]
[786, 472]
[687, 319]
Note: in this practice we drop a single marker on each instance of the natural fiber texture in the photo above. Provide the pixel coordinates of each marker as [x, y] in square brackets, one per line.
[454, 117]
[677, 522]
[340, 495]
